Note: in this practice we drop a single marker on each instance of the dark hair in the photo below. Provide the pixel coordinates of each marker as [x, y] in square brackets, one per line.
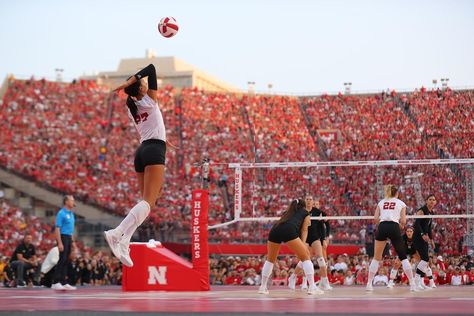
[65, 198]
[132, 91]
[429, 196]
[294, 205]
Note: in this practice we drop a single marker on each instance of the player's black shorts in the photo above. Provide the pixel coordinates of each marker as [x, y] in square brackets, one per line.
[150, 152]
[313, 236]
[411, 251]
[283, 232]
[391, 230]
[422, 247]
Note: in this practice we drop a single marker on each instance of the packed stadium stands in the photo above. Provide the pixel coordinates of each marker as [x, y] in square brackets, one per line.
[76, 138]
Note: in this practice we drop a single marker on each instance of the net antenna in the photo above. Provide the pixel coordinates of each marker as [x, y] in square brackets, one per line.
[367, 163]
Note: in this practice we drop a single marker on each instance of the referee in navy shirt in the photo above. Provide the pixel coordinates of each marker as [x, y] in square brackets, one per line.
[64, 236]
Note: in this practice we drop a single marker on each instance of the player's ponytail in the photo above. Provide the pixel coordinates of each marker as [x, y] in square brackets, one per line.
[294, 206]
[132, 91]
[390, 191]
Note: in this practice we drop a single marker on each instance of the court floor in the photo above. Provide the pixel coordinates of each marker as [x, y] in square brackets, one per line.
[446, 300]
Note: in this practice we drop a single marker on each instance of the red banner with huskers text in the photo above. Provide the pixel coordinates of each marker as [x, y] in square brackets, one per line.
[199, 243]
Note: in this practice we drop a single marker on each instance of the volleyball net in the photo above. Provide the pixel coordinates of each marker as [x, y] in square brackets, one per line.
[348, 191]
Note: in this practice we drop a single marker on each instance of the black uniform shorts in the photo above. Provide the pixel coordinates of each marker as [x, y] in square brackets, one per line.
[391, 230]
[421, 246]
[150, 152]
[283, 232]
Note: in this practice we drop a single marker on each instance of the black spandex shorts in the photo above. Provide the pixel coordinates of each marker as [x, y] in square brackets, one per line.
[391, 230]
[150, 152]
[283, 232]
[312, 237]
[422, 247]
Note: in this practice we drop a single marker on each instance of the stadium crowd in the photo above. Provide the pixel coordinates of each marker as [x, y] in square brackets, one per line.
[76, 138]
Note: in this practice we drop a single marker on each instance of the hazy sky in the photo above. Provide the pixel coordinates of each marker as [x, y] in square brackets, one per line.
[297, 45]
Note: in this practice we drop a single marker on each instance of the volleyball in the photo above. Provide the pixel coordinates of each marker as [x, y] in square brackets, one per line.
[168, 27]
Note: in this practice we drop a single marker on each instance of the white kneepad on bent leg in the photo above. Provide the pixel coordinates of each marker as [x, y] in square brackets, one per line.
[321, 263]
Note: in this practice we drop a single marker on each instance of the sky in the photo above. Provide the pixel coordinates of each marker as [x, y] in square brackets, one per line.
[299, 46]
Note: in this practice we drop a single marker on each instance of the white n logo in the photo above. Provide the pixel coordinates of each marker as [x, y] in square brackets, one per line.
[157, 275]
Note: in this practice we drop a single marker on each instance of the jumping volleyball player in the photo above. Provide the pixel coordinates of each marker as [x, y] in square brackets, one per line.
[292, 229]
[391, 214]
[316, 233]
[149, 158]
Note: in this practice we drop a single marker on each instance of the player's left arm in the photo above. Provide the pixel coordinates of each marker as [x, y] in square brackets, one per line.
[377, 216]
[304, 228]
[403, 217]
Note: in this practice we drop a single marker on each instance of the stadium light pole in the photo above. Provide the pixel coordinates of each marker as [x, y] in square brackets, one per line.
[59, 74]
[250, 86]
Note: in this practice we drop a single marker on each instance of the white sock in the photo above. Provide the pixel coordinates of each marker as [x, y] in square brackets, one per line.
[373, 268]
[325, 280]
[408, 270]
[266, 272]
[429, 272]
[135, 218]
[304, 281]
[308, 269]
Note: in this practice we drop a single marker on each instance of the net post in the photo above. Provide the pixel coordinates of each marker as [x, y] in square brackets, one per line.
[238, 193]
[469, 237]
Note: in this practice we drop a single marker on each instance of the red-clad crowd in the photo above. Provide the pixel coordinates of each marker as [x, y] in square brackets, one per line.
[342, 270]
[77, 138]
[86, 267]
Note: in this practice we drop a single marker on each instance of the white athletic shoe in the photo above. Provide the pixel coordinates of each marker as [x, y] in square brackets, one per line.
[124, 248]
[432, 284]
[414, 288]
[419, 284]
[58, 287]
[391, 284]
[263, 290]
[315, 291]
[113, 239]
[69, 287]
[369, 288]
[292, 281]
[325, 286]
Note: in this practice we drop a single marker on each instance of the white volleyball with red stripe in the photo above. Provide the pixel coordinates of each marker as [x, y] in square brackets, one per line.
[168, 27]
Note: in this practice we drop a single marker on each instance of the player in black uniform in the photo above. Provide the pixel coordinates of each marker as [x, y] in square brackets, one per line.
[410, 250]
[422, 239]
[316, 234]
[292, 229]
[327, 230]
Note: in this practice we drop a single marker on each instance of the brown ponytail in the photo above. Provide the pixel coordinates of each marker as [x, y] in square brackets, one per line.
[294, 205]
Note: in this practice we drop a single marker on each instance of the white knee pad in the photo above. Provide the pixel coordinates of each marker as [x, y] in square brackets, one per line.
[321, 263]
[308, 268]
[140, 212]
[374, 266]
[422, 266]
[406, 265]
[429, 272]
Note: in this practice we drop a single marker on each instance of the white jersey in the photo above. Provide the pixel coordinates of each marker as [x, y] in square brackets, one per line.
[149, 122]
[390, 209]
